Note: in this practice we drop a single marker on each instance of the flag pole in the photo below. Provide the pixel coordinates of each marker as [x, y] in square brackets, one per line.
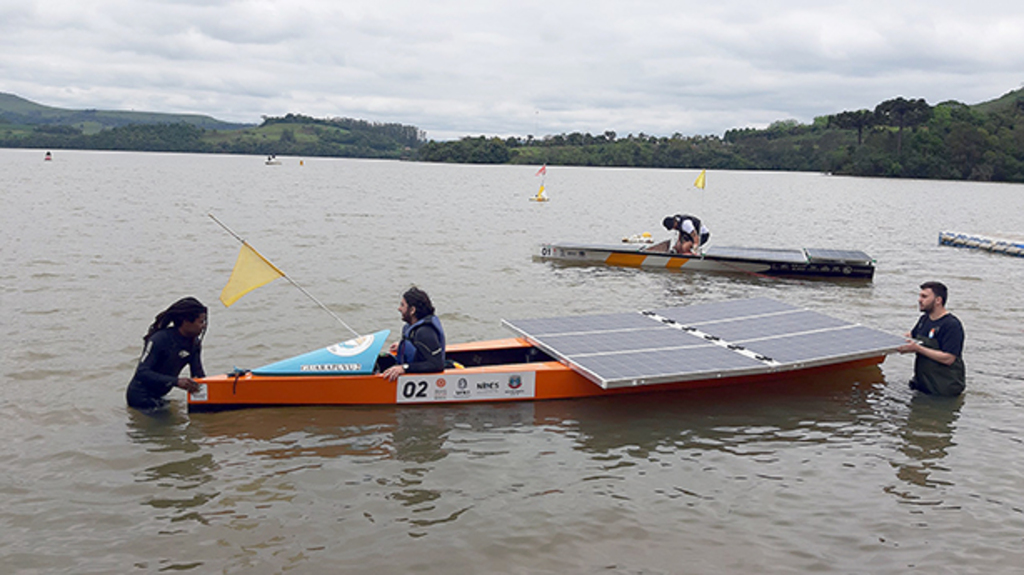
[284, 275]
[700, 182]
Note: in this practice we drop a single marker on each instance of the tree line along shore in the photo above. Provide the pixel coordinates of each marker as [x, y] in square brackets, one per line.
[898, 138]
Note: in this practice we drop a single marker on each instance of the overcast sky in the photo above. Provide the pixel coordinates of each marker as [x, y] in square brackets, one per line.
[456, 68]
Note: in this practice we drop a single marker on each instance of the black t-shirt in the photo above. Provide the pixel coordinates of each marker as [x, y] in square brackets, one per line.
[934, 377]
[947, 331]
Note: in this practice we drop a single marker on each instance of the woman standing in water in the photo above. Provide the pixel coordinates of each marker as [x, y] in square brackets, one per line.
[173, 341]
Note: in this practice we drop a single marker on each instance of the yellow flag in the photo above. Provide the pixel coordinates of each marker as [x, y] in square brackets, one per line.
[700, 179]
[252, 270]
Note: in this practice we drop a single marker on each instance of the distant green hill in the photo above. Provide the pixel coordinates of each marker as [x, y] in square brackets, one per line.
[25, 124]
[19, 111]
[1007, 103]
[899, 138]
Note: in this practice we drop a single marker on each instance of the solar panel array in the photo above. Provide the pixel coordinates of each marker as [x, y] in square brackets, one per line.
[786, 256]
[837, 256]
[731, 338]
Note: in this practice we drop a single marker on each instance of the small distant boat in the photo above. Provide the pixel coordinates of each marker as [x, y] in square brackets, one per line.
[541, 196]
[273, 161]
[48, 157]
[1008, 244]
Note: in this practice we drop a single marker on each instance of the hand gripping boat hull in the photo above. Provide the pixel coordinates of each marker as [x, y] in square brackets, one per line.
[805, 263]
[717, 344]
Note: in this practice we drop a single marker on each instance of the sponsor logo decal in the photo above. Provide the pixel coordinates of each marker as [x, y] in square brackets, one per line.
[330, 367]
[466, 387]
[351, 347]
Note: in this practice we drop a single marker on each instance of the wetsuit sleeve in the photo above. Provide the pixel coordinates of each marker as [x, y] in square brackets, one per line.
[195, 366]
[428, 345]
[155, 355]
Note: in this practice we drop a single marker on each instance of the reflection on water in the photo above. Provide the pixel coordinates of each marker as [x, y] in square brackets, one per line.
[925, 439]
[397, 452]
[797, 409]
[422, 434]
[167, 431]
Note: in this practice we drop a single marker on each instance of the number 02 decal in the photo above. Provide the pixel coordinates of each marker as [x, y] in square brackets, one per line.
[414, 389]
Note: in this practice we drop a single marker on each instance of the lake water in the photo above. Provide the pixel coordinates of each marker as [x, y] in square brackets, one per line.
[845, 473]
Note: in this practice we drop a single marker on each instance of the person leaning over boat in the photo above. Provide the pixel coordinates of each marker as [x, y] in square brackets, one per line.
[421, 349]
[173, 341]
[938, 341]
[687, 239]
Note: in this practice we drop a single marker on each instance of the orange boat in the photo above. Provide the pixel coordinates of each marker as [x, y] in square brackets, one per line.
[723, 343]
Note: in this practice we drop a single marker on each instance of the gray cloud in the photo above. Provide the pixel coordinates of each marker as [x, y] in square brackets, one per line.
[463, 68]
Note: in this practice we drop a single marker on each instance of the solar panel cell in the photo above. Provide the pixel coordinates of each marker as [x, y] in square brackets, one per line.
[798, 321]
[763, 254]
[695, 314]
[851, 340]
[837, 256]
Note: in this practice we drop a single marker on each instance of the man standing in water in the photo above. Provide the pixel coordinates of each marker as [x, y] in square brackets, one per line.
[938, 341]
[174, 340]
[422, 347]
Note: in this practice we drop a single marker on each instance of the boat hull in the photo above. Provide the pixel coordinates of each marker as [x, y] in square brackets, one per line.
[529, 375]
[1011, 245]
[805, 263]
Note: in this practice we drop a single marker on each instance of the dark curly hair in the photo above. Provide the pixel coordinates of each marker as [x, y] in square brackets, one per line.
[417, 298]
[185, 309]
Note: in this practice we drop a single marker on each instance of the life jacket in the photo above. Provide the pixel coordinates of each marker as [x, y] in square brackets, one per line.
[696, 223]
[407, 349]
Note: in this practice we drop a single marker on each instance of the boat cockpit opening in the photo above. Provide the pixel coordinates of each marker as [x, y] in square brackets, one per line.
[482, 357]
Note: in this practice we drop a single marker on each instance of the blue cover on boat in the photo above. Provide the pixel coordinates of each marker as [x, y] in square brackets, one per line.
[353, 357]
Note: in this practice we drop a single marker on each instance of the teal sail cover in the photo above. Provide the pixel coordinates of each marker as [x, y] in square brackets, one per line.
[353, 357]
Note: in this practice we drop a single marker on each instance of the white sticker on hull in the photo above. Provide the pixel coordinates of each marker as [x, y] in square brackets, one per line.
[445, 387]
[201, 394]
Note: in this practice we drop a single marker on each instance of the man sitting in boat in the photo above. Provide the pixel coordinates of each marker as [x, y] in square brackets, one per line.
[421, 349]
[687, 240]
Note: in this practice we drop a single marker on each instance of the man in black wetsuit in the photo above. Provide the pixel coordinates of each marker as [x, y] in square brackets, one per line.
[421, 349]
[173, 341]
[938, 341]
